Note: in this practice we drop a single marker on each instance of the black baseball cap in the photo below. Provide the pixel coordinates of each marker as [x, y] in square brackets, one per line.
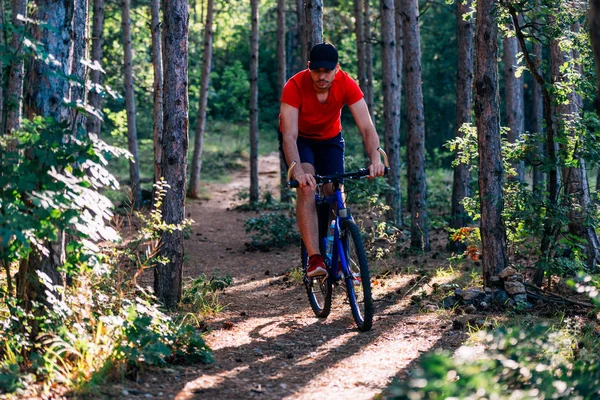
[323, 55]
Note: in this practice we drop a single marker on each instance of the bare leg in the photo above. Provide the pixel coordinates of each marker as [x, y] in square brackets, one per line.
[306, 215]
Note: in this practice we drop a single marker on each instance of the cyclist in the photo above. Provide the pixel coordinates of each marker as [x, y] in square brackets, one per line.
[310, 132]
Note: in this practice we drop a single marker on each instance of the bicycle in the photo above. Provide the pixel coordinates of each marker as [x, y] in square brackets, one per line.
[336, 222]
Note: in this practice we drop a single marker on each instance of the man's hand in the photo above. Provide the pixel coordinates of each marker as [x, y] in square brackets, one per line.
[304, 179]
[376, 169]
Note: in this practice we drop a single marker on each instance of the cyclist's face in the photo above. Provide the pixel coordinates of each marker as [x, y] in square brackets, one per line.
[323, 78]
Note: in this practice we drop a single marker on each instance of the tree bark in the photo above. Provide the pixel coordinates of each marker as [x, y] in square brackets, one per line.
[168, 277]
[314, 22]
[594, 21]
[93, 123]
[399, 31]
[158, 87]
[79, 40]
[302, 35]
[284, 192]
[359, 29]
[415, 127]
[194, 189]
[575, 178]
[369, 60]
[487, 115]
[513, 94]
[550, 227]
[14, 94]
[464, 99]
[391, 108]
[134, 171]
[46, 91]
[254, 104]
[537, 125]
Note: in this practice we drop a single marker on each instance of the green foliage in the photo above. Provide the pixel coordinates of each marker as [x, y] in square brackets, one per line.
[272, 230]
[231, 94]
[524, 362]
[78, 333]
[200, 295]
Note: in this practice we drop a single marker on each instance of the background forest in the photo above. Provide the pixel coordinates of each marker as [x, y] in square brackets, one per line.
[488, 112]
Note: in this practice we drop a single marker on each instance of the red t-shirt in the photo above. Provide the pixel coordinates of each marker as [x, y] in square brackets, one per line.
[315, 120]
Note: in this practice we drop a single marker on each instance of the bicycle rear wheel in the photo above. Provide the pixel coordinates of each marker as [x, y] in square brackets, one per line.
[358, 284]
[318, 289]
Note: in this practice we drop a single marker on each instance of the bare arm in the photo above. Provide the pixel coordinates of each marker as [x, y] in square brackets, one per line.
[289, 132]
[361, 115]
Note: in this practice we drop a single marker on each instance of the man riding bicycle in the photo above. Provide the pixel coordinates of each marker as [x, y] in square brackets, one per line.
[311, 133]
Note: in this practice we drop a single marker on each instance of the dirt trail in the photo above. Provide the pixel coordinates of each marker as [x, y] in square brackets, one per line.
[267, 343]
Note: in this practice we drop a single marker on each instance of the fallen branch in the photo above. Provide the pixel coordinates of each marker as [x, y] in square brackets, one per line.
[552, 297]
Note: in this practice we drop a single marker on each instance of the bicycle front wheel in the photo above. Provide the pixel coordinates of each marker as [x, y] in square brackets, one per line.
[318, 289]
[358, 283]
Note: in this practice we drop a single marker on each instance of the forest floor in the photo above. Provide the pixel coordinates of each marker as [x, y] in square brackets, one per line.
[268, 344]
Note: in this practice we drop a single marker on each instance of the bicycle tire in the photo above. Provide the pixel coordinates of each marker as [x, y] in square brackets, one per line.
[319, 293]
[359, 294]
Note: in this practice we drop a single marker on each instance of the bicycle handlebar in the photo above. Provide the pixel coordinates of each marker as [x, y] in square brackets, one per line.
[322, 179]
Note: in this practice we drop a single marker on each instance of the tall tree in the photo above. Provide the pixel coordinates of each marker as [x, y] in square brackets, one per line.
[574, 177]
[415, 126]
[194, 189]
[79, 40]
[359, 29]
[594, 22]
[14, 93]
[134, 170]
[369, 60]
[158, 86]
[391, 108]
[254, 104]
[314, 23]
[464, 98]
[551, 159]
[168, 277]
[281, 79]
[302, 35]
[487, 116]
[537, 118]
[399, 31]
[513, 94]
[94, 124]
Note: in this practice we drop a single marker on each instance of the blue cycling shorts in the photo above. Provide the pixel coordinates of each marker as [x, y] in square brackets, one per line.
[327, 156]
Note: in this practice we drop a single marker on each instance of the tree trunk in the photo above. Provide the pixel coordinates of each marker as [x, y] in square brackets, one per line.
[359, 29]
[79, 40]
[254, 104]
[537, 125]
[134, 171]
[15, 73]
[415, 127]
[158, 87]
[513, 93]
[464, 99]
[194, 189]
[314, 23]
[94, 124]
[46, 91]
[391, 109]
[3, 43]
[399, 31]
[550, 227]
[594, 22]
[168, 277]
[284, 192]
[487, 115]
[575, 178]
[369, 60]
[302, 35]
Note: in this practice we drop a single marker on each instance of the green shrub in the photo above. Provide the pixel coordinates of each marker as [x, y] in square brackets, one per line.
[201, 294]
[272, 230]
